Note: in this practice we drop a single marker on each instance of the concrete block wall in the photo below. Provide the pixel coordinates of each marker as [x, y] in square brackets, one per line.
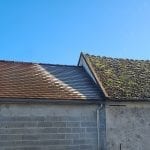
[48, 127]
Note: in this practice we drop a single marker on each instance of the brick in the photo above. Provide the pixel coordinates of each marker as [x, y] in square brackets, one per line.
[29, 137]
[22, 118]
[88, 135]
[78, 130]
[44, 124]
[73, 124]
[88, 147]
[73, 118]
[84, 141]
[70, 147]
[27, 130]
[8, 137]
[16, 124]
[55, 147]
[51, 136]
[32, 143]
[91, 130]
[88, 124]
[88, 118]
[47, 130]
[62, 147]
[64, 130]
[59, 124]
[72, 136]
[56, 142]
[55, 118]
[22, 148]
[62, 118]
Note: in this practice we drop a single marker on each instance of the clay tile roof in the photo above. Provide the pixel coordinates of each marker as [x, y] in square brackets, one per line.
[122, 78]
[41, 81]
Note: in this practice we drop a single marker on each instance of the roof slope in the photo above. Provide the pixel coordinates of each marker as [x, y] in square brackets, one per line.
[39, 81]
[122, 78]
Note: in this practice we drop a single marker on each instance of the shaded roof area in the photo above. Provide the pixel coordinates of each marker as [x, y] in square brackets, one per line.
[122, 78]
[43, 81]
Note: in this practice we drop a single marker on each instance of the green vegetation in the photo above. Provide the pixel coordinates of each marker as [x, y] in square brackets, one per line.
[122, 78]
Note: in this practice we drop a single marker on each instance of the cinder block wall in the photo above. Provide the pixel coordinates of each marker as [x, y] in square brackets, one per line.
[48, 127]
[128, 126]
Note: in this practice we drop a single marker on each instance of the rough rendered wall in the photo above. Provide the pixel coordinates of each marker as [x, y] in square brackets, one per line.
[128, 127]
[48, 127]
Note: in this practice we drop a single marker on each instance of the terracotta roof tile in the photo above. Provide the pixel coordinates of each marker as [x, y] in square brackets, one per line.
[29, 80]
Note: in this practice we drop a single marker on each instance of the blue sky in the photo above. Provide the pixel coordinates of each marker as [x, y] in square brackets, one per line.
[56, 31]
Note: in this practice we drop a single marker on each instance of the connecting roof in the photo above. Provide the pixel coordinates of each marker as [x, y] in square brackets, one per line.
[45, 81]
[122, 79]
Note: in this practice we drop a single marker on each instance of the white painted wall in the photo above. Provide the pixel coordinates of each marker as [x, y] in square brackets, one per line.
[129, 126]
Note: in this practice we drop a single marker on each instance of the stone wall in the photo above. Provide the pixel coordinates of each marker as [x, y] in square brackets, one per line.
[128, 126]
[48, 127]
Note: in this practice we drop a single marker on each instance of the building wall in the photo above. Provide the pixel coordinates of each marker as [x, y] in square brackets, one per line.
[128, 126]
[48, 127]
[73, 127]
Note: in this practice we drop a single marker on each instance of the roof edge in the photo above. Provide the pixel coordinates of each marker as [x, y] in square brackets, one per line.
[81, 54]
[48, 101]
[69, 102]
[33, 63]
[127, 99]
[94, 74]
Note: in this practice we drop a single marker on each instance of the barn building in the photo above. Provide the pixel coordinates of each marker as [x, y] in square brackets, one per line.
[100, 104]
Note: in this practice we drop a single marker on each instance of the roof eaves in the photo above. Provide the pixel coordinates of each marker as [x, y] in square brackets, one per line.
[128, 99]
[51, 101]
[94, 74]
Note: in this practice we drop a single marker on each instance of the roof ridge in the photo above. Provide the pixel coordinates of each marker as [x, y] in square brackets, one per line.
[26, 62]
[12, 61]
[118, 58]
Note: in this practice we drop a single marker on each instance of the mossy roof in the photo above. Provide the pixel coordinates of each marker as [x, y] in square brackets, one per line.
[122, 78]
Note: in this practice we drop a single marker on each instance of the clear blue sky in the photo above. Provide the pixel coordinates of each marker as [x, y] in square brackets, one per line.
[56, 31]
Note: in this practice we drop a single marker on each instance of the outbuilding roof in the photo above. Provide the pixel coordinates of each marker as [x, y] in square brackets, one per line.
[45, 81]
[121, 78]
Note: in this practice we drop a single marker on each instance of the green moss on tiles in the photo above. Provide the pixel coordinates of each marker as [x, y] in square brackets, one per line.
[122, 78]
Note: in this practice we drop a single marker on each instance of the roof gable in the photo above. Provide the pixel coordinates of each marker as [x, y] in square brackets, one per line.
[122, 78]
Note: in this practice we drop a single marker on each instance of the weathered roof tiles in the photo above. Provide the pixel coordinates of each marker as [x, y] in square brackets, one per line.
[41, 81]
[122, 78]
